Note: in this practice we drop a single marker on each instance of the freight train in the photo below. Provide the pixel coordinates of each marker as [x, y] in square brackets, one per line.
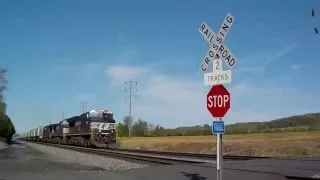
[95, 128]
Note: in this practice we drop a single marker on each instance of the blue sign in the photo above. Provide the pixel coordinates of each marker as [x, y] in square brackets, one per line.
[218, 127]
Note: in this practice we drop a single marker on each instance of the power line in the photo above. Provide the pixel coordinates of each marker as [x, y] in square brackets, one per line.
[130, 101]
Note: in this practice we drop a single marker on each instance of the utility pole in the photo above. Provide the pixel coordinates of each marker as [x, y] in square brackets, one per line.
[313, 12]
[83, 106]
[62, 115]
[130, 88]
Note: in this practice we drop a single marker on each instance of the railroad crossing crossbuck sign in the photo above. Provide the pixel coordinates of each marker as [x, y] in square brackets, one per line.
[217, 49]
[217, 53]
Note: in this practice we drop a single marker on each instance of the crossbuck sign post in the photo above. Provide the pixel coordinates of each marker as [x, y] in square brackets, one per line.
[218, 98]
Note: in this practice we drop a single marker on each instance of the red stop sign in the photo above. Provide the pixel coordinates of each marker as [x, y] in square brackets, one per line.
[218, 101]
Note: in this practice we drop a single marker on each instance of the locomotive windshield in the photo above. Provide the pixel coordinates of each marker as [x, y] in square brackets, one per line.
[101, 115]
[108, 117]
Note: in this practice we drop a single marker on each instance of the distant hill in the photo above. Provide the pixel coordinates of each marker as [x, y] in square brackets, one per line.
[305, 122]
[309, 119]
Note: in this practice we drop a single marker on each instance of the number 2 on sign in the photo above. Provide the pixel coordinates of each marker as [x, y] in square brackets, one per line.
[217, 65]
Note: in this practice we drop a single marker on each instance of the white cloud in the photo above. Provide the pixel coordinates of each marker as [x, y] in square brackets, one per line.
[175, 101]
[119, 74]
[282, 52]
[265, 59]
[171, 90]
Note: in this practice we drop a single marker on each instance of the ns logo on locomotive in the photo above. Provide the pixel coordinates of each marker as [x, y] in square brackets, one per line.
[95, 128]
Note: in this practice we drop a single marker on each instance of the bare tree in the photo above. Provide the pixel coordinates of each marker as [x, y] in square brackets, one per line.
[3, 82]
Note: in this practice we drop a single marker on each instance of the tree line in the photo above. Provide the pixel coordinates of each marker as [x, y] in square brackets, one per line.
[7, 129]
[300, 123]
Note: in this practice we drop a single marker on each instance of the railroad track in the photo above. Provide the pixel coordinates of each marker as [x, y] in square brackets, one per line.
[151, 157]
[135, 157]
[190, 155]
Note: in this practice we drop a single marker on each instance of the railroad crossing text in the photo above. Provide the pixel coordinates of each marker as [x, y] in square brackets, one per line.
[218, 77]
[223, 52]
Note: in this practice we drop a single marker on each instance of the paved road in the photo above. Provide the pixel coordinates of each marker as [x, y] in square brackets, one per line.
[19, 163]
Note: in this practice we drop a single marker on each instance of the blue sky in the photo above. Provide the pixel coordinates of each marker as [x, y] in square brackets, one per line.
[61, 52]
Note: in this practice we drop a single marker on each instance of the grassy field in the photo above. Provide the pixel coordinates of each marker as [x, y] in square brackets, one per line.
[287, 144]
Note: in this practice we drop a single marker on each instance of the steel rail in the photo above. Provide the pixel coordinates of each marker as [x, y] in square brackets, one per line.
[144, 158]
[163, 157]
[198, 156]
[191, 155]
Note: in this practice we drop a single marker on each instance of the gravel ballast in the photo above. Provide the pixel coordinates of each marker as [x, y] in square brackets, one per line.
[69, 156]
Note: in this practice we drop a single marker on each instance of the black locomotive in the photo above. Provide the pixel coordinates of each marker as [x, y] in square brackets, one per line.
[93, 128]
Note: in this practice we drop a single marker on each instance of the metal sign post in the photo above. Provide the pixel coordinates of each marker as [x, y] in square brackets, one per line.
[219, 155]
[218, 98]
[218, 129]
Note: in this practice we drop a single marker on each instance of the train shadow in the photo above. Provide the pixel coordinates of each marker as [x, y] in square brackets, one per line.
[193, 176]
